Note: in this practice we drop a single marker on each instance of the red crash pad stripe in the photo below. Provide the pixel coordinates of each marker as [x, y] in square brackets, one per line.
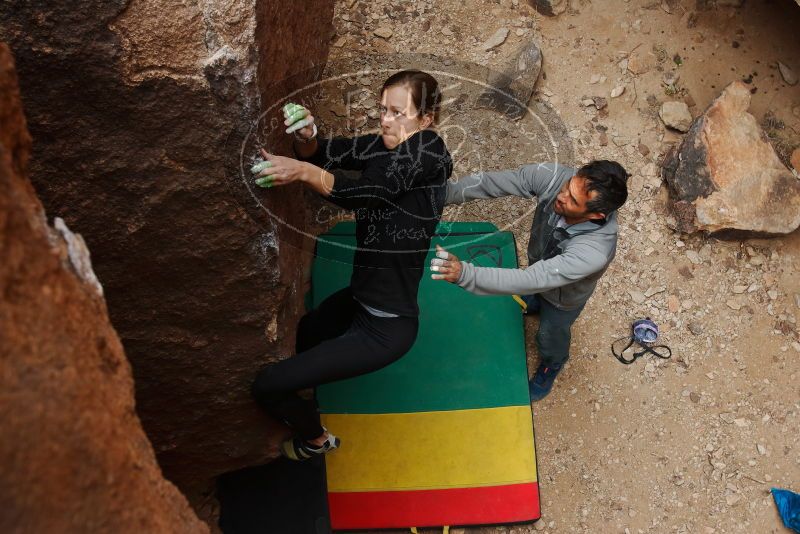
[421, 508]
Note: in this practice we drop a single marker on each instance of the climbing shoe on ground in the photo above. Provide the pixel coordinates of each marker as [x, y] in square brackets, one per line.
[298, 449]
[542, 382]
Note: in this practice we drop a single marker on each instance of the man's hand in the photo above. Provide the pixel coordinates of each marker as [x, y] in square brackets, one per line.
[446, 266]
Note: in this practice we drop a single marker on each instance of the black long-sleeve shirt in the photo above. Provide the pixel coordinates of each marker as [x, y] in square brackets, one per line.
[397, 201]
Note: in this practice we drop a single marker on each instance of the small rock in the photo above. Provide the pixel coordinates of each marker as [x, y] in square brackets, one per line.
[676, 115]
[637, 296]
[694, 397]
[762, 450]
[644, 150]
[599, 102]
[499, 37]
[788, 74]
[671, 78]
[654, 291]
[654, 236]
[695, 327]
[673, 304]
[733, 499]
[694, 257]
[617, 91]
[594, 79]
[772, 294]
[640, 62]
[649, 169]
[446, 31]
[741, 422]
[727, 417]
[383, 32]
[734, 305]
[738, 290]
[603, 139]
[540, 525]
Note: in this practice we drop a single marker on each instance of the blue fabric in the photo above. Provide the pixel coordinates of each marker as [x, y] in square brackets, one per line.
[554, 333]
[788, 503]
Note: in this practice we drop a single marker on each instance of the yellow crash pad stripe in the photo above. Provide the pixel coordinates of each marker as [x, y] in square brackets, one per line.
[431, 450]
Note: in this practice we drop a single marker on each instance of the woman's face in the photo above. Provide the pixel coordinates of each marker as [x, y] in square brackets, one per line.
[399, 116]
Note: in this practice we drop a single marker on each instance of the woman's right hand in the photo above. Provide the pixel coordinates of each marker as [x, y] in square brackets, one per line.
[298, 119]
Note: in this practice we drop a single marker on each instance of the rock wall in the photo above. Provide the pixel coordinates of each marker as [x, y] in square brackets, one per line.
[74, 456]
[138, 111]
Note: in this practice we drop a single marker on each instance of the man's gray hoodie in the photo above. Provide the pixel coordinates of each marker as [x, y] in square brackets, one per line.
[564, 263]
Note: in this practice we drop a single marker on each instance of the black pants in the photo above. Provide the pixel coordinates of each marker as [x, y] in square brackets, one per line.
[338, 340]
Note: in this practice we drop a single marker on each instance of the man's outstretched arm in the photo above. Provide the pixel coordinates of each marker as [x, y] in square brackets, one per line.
[526, 181]
[577, 262]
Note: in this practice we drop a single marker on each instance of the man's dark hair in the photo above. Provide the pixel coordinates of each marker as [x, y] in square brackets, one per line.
[610, 180]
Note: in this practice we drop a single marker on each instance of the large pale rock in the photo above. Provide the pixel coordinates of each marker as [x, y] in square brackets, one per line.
[725, 177]
[139, 110]
[73, 454]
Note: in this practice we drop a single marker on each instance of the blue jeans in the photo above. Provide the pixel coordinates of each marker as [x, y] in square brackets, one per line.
[555, 327]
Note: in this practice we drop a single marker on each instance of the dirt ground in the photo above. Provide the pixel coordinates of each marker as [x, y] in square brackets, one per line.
[692, 444]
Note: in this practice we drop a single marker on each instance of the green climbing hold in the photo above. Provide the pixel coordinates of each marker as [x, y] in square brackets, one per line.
[260, 166]
[297, 115]
[298, 125]
[266, 182]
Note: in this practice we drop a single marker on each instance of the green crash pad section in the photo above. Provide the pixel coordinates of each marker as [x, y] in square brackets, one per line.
[470, 351]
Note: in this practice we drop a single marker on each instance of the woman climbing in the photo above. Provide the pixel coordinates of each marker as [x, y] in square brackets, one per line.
[397, 202]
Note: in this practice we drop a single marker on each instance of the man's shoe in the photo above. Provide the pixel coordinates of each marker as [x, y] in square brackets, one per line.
[542, 382]
[298, 449]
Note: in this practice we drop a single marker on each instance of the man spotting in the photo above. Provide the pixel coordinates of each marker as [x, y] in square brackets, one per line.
[573, 240]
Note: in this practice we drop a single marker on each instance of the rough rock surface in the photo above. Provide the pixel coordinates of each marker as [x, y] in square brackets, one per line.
[74, 456]
[725, 177]
[138, 134]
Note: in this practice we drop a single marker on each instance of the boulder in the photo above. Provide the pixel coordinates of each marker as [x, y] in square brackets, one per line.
[141, 135]
[726, 179]
[511, 87]
[74, 456]
[550, 8]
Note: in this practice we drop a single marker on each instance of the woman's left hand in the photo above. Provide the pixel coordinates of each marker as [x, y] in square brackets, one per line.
[281, 170]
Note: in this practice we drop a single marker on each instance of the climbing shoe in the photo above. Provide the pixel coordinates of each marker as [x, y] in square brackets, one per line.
[298, 449]
[542, 382]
